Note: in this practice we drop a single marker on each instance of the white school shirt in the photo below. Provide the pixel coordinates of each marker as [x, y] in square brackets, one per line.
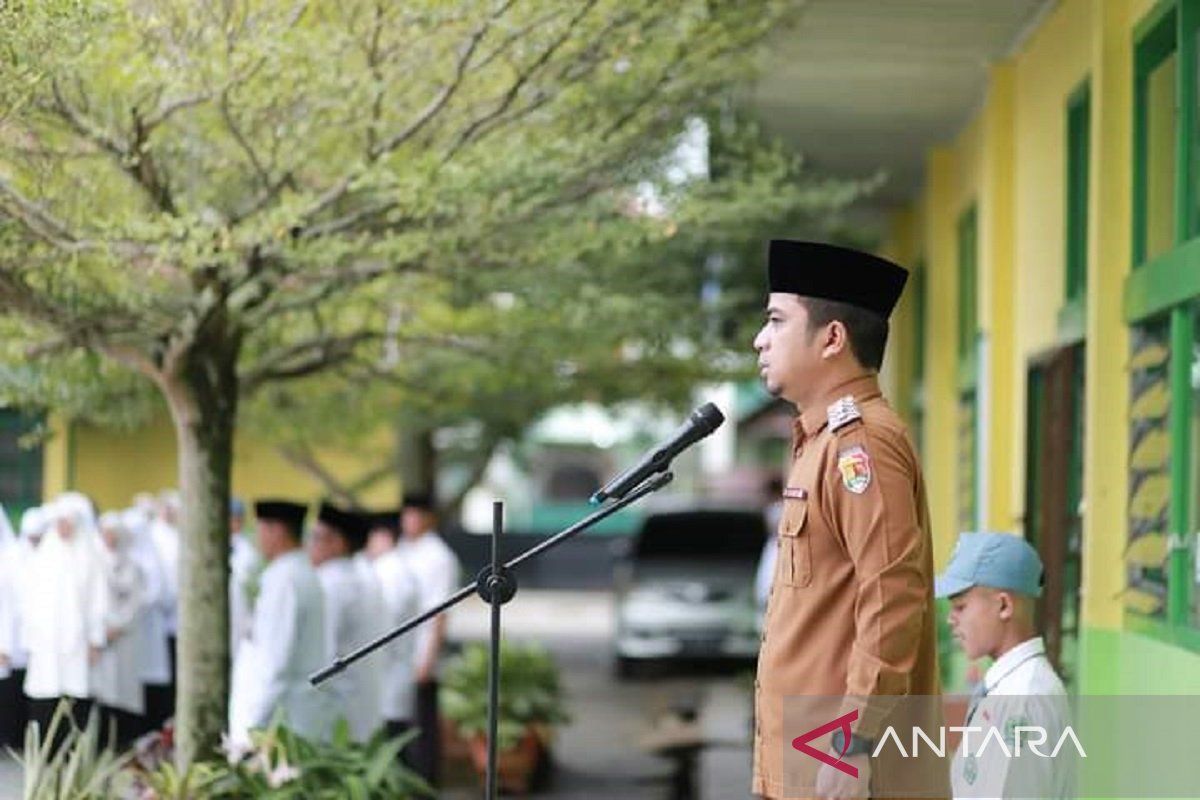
[287, 643]
[352, 616]
[1022, 691]
[401, 601]
[436, 569]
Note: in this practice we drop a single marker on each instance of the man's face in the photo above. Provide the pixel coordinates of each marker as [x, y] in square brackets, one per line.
[273, 538]
[324, 544]
[416, 521]
[379, 542]
[235, 523]
[788, 357]
[976, 621]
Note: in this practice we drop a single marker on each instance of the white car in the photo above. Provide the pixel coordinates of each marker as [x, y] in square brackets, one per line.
[685, 588]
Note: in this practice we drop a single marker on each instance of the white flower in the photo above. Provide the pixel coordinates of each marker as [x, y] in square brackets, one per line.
[282, 774]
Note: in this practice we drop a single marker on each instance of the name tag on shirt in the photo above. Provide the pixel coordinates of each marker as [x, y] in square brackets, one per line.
[795, 493]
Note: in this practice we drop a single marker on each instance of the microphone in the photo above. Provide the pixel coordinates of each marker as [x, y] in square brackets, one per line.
[703, 421]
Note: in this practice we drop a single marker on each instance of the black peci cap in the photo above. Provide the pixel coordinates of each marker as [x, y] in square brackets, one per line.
[285, 511]
[829, 272]
[353, 526]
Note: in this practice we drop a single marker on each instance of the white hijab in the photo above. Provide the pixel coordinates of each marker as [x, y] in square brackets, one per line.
[60, 573]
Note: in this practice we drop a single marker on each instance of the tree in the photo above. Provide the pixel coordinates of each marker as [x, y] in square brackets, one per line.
[205, 202]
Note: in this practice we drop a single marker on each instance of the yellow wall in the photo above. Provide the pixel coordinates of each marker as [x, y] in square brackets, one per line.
[940, 360]
[112, 466]
[1106, 475]
[1010, 159]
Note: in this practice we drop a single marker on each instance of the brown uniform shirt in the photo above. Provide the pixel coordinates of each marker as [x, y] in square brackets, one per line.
[851, 611]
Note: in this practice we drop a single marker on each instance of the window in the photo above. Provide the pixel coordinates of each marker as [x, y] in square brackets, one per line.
[968, 313]
[20, 464]
[1155, 138]
[968, 371]
[1079, 111]
[1162, 299]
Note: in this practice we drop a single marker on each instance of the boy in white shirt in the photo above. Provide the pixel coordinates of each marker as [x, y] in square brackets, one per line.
[993, 581]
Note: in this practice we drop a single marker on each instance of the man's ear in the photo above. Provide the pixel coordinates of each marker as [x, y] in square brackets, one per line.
[1007, 605]
[836, 339]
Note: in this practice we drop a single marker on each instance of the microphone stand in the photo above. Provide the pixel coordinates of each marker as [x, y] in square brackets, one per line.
[496, 585]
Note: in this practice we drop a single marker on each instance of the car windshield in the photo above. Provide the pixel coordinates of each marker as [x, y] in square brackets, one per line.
[709, 535]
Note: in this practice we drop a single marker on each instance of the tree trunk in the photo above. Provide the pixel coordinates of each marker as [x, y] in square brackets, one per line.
[417, 457]
[202, 392]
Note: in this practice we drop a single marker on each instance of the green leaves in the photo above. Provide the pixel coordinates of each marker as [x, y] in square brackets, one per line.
[530, 693]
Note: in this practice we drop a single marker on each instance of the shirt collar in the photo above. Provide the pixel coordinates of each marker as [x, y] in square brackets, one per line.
[816, 416]
[1007, 663]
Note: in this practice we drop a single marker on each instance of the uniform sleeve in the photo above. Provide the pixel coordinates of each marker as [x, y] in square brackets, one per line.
[871, 491]
[275, 639]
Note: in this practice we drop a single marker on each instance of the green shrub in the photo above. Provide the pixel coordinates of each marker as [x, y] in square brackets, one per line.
[530, 692]
[69, 763]
[280, 764]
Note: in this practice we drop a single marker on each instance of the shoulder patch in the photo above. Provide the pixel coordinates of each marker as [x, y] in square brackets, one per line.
[842, 412]
[855, 467]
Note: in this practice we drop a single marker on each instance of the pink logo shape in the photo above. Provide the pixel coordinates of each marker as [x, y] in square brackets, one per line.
[801, 743]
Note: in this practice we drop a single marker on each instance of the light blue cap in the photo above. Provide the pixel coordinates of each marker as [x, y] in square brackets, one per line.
[998, 560]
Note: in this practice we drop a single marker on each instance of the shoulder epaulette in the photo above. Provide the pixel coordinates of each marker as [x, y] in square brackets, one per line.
[842, 413]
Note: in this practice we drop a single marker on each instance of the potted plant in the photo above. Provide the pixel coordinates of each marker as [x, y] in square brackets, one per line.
[530, 706]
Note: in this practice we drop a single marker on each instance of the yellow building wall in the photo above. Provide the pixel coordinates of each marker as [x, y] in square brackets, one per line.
[1054, 63]
[996, 313]
[1106, 474]
[1010, 160]
[942, 199]
[112, 466]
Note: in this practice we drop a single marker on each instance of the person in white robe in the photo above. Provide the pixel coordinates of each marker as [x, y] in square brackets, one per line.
[14, 705]
[63, 608]
[154, 652]
[244, 568]
[287, 640]
[352, 615]
[116, 677]
[12, 701]
[402, 602]
[164, 530]
[437, 572]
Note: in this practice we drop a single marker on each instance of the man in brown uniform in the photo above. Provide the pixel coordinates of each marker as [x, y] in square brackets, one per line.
[850, 614]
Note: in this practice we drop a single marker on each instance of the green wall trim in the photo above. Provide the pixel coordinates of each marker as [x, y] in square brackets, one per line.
[1182, 337]
[1170, 279]
[1185, 97]
[1154, 41]
[1078, 145]
[1152, 19]
[1183, 636]
[1072, 321]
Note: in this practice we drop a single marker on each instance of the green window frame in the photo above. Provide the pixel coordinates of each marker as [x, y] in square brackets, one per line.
[1079, 113]
[968, 292]
[20, 464]
[967, 431]
[1165, 287]
[919, 289]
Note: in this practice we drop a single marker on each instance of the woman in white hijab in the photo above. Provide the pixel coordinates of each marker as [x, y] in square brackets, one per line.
[64, 602]
[10, 691]
[116, 677]
[14, 561]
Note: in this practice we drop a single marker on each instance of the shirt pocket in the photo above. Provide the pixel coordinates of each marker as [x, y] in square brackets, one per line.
[795, 556]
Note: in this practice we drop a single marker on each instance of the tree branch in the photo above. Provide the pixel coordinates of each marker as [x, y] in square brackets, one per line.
[426, 115]
[304, 358]
[302, 458]
[523, 77]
